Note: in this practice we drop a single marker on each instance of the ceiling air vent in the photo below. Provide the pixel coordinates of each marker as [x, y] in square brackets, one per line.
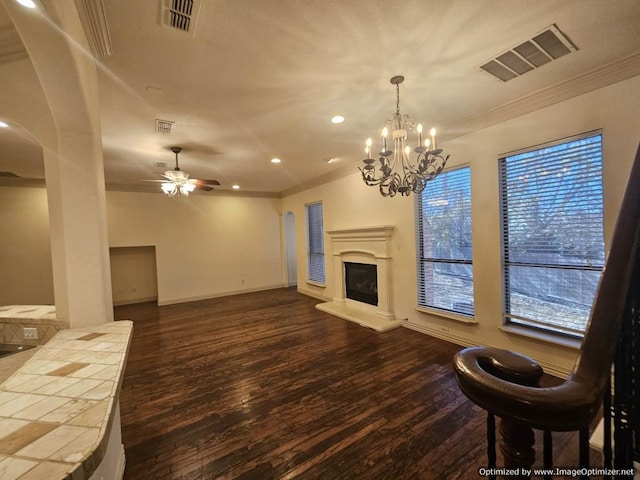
[544, 47]
[180, 14]
[163, 126]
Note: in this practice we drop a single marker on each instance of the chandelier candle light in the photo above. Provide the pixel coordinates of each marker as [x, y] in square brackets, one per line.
[395, 171]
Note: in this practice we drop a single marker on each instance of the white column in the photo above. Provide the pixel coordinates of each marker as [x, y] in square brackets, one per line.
[78, 229]
[57, 47]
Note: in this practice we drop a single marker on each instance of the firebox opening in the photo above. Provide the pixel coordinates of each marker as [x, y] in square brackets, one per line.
[361, 281]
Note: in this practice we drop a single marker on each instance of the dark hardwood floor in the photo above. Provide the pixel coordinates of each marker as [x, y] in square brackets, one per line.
[264, 386]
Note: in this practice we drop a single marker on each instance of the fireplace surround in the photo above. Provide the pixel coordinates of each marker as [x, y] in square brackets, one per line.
[365, 246]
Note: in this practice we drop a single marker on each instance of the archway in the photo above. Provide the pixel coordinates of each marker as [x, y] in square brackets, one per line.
[290, 249]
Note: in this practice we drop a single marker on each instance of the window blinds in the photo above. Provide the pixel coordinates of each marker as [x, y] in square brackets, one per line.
[443, 227]
[552, 233]
[315, 242]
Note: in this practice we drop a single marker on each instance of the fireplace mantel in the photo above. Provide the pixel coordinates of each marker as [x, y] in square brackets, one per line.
[370, 245]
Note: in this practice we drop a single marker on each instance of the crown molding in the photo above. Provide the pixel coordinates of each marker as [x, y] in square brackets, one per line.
[96, 28]
[153, 188]
[616, 71]
[613, 72]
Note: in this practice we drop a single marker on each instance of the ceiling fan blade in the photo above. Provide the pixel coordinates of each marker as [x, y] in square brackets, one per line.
[204, 188]
[207, 182]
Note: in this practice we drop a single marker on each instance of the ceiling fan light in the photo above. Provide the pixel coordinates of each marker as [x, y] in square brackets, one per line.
[187, 187]
[169, 188]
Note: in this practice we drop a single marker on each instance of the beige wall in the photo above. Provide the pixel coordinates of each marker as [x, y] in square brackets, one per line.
[133, 275]
[206, 246]
[348, 202]
[26, 275]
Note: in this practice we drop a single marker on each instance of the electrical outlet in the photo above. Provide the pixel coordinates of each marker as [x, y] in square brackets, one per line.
[30, 333]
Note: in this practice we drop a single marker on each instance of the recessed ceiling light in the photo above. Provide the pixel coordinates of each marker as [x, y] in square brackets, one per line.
[27, 3]
[235, 187]
[3, 124]
[275, 160]
[331, 160]
[337, 119]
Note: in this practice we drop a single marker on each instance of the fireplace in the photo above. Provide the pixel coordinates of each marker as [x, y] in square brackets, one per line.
[361, 282]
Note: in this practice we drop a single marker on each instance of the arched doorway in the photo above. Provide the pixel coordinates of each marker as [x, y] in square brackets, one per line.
[290, 249]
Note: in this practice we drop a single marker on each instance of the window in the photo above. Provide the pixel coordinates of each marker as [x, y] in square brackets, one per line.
[315, 242]
[552, 234]
[443, 217]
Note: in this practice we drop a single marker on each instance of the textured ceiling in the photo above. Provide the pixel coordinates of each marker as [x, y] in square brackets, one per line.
[258, 79]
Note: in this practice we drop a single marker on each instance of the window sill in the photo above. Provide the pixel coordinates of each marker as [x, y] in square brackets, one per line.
[543, 337]
[448, 315]
[316, 284]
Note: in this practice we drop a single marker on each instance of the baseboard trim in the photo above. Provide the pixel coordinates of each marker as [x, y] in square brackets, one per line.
[313, 294]
[122, 460]
[228, 293]
[549, 368]
[131, 301]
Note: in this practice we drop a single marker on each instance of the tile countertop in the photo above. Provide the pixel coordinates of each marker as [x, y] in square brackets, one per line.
[56, 409]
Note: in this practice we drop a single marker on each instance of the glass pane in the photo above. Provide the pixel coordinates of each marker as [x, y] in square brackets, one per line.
[446, 216]
[315, 239]
[316, 267]
[552, 215]
[448, 286]
[552, 199]
[553, 296]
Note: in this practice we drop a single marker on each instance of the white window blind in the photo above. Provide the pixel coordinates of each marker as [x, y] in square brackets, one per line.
[443, 243]
[315, 242]
[552, 234]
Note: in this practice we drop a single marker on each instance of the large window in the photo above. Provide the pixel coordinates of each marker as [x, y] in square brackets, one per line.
[552, 234]
[443, 217]
[315, 242]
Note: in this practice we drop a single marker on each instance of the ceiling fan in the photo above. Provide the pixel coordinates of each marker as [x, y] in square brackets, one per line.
[179, 181]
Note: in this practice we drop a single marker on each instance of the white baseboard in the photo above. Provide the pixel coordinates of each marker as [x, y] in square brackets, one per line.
[131, 301]
[227, 293]
[549, 368]
[121, 463]
[313, 294]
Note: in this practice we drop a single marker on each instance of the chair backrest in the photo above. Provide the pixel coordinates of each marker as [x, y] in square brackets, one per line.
[598, 347]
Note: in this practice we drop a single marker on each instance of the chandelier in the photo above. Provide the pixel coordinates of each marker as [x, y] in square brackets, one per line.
[395, 171]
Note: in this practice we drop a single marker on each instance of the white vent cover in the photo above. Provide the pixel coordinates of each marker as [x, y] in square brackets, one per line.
[163, 126]
[544, 47]
[180, 14]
